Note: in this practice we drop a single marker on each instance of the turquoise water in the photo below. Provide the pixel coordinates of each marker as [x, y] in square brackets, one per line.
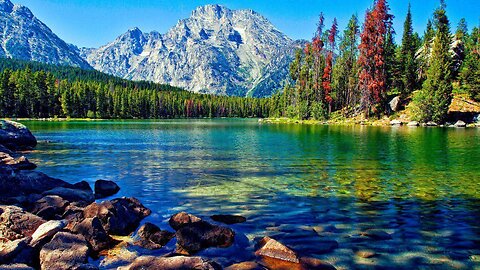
[314, 188]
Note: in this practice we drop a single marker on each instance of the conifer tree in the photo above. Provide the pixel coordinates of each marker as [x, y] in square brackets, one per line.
[408, 65]
[436, 94]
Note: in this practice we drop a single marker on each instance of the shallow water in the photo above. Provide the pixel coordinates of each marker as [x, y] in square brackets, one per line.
[314, 188]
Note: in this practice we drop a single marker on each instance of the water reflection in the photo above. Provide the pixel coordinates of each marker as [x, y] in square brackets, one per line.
[315, 188]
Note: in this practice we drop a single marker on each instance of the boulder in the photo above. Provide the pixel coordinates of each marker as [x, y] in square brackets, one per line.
[431, 124]
[413, 124]
[95, 234]
[65, 251]
[377, 234]
[105, 188]
[229, 219]
[151, 237]
[171, 263]
[5, 150]
[25, 183]
[47, 230]
[11, 249]
[460, 124]
[181, 219]
[83, 185]
[20, 163]
[82, 196]
[16, 136]
[50, 207]
[118, 217]
[196, 236]
[396, 123]
[395, 104]
[15, 223]
[271, 248]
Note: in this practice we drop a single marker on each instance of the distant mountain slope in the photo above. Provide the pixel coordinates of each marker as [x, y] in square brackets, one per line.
[216, 50]
[23, 36]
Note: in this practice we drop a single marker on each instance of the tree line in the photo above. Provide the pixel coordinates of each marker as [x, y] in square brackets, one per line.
[359, 71]
[71, 92]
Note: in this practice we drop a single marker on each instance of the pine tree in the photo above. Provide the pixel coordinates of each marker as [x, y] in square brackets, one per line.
[408, 65]
[470, 73]
[436, 94]
[327, 72]
[345, 79]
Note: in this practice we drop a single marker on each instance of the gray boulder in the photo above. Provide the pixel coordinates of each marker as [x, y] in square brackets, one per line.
[395, 104]
[460, 124]
[65, 251]
[16, 136]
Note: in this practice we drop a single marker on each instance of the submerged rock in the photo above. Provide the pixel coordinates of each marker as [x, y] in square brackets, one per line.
[151, 237]
[15, 223]
[229, 219]
[171, 263]
[377, 234]
[16, 136]
[118, 217]
[65, 251]
[105, 188]
[272, 248]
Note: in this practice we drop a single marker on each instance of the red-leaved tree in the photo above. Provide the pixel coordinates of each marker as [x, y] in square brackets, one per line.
[372, 77]
[327, 72]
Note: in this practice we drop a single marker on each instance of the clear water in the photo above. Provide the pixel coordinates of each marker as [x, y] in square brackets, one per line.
[308, 186]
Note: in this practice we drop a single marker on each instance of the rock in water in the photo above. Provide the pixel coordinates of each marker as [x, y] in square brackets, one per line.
[118, 217]
[105, 188]
[16, 136]
[245, 266]
[181, 219]
[15, 223]
[152, 237]
[65, 251]
[95, 234]
[271, 248]
[377, 234]
[83, 197]
[196, 236]
[413, 124]
[171, 263]
[460, 124]
[229, 219]
[396, 123]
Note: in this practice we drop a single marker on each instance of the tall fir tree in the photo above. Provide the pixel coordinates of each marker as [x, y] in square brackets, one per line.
[436, 95]
[407, 61]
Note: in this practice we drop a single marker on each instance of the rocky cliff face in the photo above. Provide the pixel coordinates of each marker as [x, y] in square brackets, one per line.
[216, 50]
[23, 36]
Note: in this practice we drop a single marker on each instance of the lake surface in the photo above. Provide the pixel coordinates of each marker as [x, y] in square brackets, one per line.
[314, 188]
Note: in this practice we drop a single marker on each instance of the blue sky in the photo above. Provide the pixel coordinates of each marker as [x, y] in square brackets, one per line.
[92, 23]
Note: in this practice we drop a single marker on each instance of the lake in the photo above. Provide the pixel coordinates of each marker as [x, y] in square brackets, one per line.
[314, 188]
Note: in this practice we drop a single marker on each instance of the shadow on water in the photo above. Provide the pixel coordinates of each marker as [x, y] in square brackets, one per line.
[314, 188]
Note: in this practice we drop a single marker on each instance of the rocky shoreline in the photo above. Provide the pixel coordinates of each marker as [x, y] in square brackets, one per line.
[47, 223]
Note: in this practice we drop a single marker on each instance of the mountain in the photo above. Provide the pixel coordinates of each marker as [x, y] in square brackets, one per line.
[23, 36]
[215, 50]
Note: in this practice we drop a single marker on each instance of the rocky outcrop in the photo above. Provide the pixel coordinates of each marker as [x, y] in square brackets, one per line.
[105, 188]
[65, 251]
[171, 263]
[151, 237]
[118, 217]
[27, 38]
[15, 136]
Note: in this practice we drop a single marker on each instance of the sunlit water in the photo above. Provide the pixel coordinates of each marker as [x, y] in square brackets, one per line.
[310, 187]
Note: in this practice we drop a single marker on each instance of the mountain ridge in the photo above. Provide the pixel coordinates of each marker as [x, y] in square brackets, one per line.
[23, 36]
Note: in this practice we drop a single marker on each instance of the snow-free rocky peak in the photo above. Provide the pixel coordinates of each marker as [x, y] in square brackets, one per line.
[23, 36]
